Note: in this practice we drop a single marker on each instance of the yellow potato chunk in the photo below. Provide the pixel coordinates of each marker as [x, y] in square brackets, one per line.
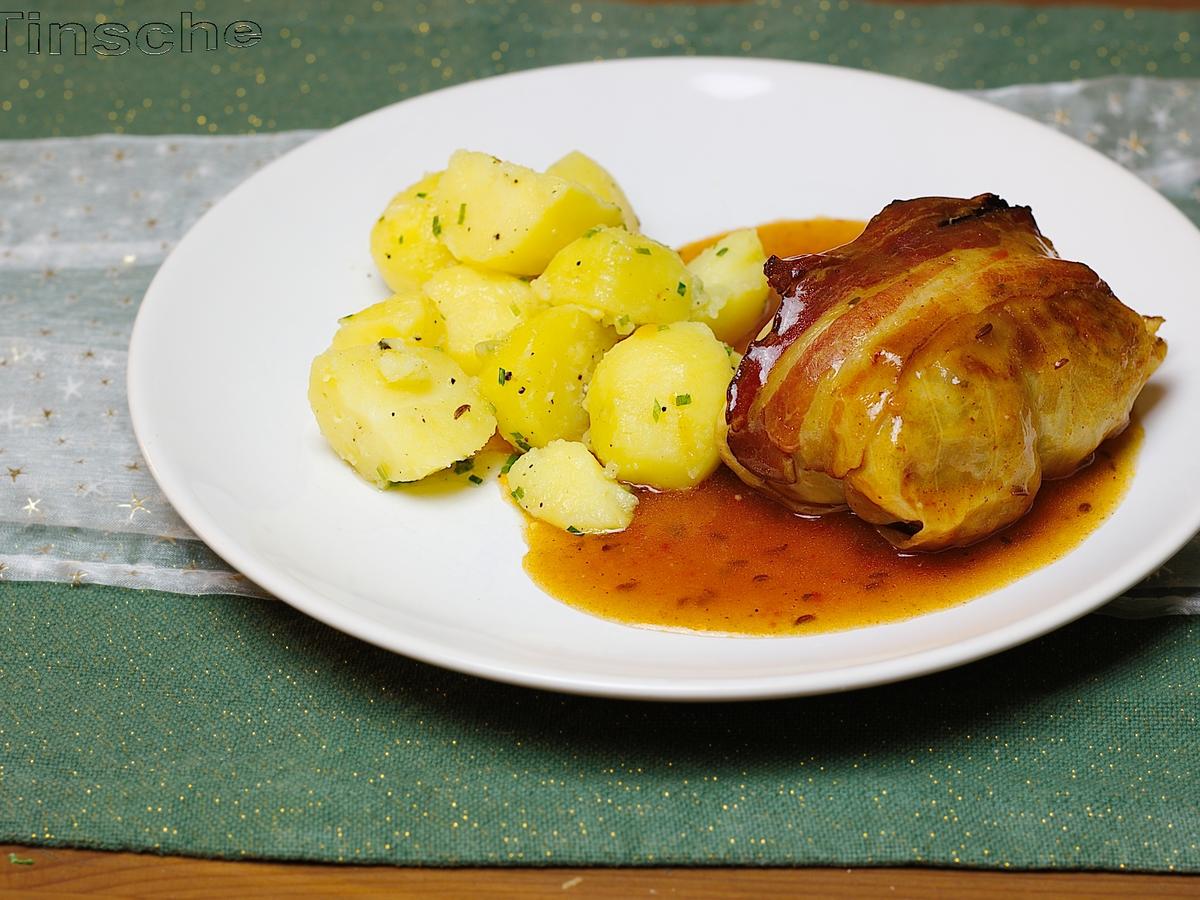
[536, 377]
[563, 484]
[628, 278]
[404, 243]
[506, 217]
[734, 289]
[478, 307]
[410, 316]
[582, 169]
[654, 401]
[397, 412]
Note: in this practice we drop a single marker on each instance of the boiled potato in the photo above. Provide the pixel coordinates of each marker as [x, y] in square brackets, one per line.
[654, 400]
[563, 484]
[396, 411]
[735, 290]
[541, 372]
[478, 306]
[404, 240]
[506, 217]
[628, 278]
[410, 316]
[582, 169]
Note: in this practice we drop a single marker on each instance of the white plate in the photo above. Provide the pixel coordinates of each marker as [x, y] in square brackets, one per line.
[220, 354]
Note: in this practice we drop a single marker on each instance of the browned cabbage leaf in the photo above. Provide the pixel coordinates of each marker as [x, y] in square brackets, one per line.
[931, 373]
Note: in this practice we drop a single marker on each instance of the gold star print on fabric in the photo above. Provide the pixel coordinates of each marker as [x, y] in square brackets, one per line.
[135, 505]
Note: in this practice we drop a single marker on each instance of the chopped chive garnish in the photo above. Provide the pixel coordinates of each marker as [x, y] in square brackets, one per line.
[502, 376]
[514, 309]
[591, 231]
[573, 530]
[681, 289]
[437, 226]
[382, 472]
[463, 465]
[422, 194]
[683, 399]
[645, 251]
[518, 493]
[475, 479]
[508, 464]
[722, 251]
[462, 212]
[656, 410]
[519, 440]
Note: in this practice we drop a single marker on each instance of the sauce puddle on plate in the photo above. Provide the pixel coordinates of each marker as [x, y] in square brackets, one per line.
[721, 558]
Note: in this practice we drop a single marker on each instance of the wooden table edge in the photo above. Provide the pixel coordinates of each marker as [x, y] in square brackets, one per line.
[40, 871]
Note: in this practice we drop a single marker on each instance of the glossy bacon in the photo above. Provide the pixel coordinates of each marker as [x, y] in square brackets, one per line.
[932, 372]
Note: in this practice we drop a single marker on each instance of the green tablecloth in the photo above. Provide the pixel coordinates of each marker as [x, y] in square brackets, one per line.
[323, 63]
[235, 727]
[229, 726]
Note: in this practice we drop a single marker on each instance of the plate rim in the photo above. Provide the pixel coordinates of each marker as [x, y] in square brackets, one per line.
[902, 667]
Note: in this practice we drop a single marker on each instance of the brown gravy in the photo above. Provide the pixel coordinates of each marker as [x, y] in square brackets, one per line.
[722, 558]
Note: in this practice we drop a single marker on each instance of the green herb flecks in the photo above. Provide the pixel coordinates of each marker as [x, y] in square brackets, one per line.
[722, 251]
[19, 860]
[475, 479]
[571, 529]
[683, 399]
[462, 212]
[508, 463]
[645, 251]
[519, 440]
[681, 289]
[422, 194]
[518, 494]
[463, 465]
[437, 226]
